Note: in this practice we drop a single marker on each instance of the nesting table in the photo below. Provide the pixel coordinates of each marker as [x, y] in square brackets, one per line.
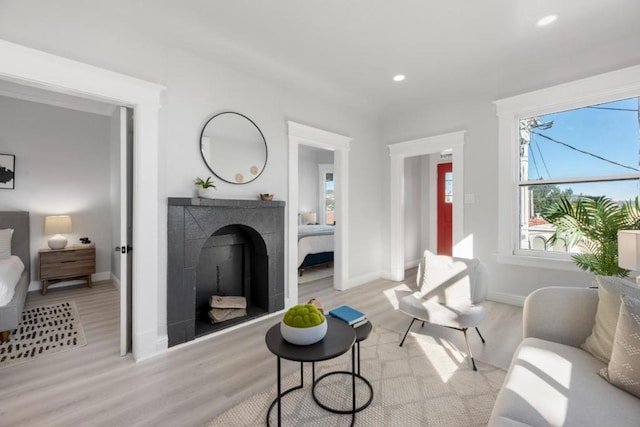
[339, 339]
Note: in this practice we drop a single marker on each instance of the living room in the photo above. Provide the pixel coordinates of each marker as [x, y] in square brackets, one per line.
[218, 57]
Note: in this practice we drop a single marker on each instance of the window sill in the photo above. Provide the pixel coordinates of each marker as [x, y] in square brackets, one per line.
[538, 262]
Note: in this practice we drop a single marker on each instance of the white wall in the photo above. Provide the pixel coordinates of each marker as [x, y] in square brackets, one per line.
[308, 177]
[508, 282]
[413, 192]
[62, 167]
[200, 86]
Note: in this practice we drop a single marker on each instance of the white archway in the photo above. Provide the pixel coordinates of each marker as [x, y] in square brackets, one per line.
[32, 67]
[306, 135]
[419, 147]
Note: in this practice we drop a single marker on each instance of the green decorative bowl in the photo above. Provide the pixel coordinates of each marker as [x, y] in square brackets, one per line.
[303, 325]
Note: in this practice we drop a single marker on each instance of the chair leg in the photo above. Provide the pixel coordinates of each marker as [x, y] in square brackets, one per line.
[473, 362]
[478, 331]
[409, 328]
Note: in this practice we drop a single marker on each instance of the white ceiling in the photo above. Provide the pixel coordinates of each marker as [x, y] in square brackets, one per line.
[450, 50]
[447, 49]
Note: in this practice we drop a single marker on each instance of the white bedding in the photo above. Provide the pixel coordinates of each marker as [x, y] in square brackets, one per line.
[314, 239]
[10, 271]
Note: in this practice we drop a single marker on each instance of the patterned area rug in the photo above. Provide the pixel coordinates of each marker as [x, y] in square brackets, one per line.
[44, 330]
[424, 383]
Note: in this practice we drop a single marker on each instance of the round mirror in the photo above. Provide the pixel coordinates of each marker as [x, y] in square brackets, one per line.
[233, 148]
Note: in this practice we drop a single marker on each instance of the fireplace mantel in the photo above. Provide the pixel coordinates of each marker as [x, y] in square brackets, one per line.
[191, 222]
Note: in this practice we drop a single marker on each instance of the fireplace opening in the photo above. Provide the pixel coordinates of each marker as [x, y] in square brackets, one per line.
[233, 262]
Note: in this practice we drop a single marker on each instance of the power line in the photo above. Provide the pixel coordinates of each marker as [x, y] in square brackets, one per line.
[535, 164]
[610, 108]
[586, 152]
[542, 157]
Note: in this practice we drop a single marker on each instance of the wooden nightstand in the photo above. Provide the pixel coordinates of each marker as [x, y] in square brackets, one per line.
[57, 264]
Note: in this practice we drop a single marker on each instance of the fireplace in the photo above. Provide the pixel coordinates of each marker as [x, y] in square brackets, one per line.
[226, 248]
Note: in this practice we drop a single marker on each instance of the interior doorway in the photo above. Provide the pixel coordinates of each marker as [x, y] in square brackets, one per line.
[398, 153]
[35, 68]
[317, 182]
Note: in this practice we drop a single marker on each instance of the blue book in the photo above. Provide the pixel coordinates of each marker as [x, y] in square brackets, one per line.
[347, 314]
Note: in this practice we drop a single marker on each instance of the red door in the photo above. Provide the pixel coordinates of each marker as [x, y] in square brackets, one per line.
[445, 205]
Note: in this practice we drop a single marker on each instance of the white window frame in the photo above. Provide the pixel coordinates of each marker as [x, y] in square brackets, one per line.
[602, 88]
[323, 169]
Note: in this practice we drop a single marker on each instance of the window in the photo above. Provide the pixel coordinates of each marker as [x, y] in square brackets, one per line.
[577, 139]
[587, 151]
[327, 200]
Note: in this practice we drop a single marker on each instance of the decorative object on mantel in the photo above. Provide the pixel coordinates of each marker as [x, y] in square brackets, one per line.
[7, 171]
[303, 325]
[266, 196]
[57, 225]
[206, 188]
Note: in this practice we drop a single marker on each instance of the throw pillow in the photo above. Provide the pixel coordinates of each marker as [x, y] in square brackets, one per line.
[5, 243]
[600, 342]
[624, 368]
[446, 279]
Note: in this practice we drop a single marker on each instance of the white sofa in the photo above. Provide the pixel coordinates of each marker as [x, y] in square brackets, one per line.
[551, 380]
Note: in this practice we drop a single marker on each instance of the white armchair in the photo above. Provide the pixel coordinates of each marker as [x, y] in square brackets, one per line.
[450, 288]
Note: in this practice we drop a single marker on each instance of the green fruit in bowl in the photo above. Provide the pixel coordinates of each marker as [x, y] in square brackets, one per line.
[303, 316]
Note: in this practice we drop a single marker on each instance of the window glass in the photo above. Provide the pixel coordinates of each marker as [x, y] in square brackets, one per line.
[589, 151]
[330, 198]
[448, 187]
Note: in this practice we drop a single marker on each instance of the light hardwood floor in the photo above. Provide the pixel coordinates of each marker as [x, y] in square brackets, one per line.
[189, 385]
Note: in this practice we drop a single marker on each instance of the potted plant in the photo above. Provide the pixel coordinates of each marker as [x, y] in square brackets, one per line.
[206, 188]
[592, 223]
[303, 324]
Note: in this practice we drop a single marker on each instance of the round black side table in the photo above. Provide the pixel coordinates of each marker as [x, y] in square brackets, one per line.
[362, 333]
[339, 339]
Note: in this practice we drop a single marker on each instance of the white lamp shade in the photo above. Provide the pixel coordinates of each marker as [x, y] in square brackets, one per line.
[629, 249]
[58, 224]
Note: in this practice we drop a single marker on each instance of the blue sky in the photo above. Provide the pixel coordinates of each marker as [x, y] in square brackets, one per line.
[612, 134]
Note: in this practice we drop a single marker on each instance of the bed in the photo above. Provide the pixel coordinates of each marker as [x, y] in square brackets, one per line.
[315, 246]
[11, 314]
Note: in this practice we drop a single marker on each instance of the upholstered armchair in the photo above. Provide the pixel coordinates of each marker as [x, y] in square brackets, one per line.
[449, 291]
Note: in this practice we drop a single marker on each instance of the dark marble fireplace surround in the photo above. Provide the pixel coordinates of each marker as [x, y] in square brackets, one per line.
[247, 236]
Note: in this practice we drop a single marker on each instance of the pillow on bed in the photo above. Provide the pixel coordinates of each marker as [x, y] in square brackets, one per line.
[10, 271]
[5, 243]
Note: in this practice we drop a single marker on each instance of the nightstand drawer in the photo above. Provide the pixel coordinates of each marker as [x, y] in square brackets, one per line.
[67, 268]
[55, 257]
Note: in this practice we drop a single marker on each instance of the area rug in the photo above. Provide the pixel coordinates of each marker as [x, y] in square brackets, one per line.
[315, 273]
[44, 330]
[424, 383]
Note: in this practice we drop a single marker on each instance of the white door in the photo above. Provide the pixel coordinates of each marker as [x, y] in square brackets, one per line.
[126, 164]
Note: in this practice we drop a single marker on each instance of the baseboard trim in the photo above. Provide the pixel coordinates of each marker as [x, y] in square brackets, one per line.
[365, 278]
[115, 281]
[506, 298]
[411, 264]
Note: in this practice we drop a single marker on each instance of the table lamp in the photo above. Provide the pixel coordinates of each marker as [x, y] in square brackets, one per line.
[629, 250]
[57, 225]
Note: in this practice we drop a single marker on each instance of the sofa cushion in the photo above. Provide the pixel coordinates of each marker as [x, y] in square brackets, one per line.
[624, 368]
[600, 342]
[551, 384]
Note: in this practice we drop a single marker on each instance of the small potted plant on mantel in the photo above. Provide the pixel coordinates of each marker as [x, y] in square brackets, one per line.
[206, 188]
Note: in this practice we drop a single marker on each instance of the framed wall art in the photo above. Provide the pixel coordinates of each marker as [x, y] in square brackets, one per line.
[7, 171]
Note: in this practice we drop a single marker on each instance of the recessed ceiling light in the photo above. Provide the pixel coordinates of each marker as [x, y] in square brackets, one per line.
[398, 77]
[546, 20]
